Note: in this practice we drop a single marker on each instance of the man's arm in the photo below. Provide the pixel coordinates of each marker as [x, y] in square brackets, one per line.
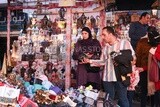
[132, 31]
[100, 62]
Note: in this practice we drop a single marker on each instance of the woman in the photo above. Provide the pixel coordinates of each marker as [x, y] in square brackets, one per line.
[154, 80]
[142, 51]
[91, 48]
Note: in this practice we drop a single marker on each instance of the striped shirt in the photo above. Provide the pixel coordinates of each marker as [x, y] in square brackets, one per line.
[106, 60]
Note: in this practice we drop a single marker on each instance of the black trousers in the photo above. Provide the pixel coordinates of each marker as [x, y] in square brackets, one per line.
[157, 98]
[143, 87]
[144, 90]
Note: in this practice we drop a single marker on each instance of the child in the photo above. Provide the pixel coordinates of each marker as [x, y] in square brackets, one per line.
[134, 79]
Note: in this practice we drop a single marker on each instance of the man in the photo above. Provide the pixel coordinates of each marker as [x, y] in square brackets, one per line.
[139, 29]
[110, 80]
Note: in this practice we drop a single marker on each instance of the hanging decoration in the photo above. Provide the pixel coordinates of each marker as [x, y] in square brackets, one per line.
[61, 22]
[39, 5]
[81, 21]
[156, 4]
[61, 13]
[101, 4]
[154, 12]
[34, 14]
[111, 7]
[45, 23]
[75, 16]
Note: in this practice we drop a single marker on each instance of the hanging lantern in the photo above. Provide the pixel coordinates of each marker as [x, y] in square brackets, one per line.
[61, 24]
[62, 12]
[75, 16]
[12, 13]
[154, 12]
[45, 19]
[83, 19]
[39, 9]
[34, 14]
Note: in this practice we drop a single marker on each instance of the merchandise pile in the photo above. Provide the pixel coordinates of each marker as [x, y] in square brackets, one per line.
[37, 90]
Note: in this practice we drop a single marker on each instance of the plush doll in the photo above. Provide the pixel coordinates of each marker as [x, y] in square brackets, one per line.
[11, 78]
[57, 81]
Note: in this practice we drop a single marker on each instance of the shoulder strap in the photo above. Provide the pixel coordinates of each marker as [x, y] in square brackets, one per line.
[156, 61]
[122, 44]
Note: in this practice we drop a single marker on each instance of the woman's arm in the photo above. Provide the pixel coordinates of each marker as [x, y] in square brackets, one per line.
[77, 52]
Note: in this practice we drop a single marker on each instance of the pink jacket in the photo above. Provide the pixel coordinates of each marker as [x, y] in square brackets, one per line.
[157, 55]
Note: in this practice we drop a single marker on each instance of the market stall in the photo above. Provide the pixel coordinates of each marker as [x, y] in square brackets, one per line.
[38, 70]
[45, 46]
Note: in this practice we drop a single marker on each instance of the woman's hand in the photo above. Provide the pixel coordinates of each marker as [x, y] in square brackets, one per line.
[133, 62]
[89, 55]
[140, 69]
[151, 88]
[85, 60]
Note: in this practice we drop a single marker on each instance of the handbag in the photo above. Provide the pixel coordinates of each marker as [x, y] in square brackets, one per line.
[154, 70]
[108, 102]
[92, 69]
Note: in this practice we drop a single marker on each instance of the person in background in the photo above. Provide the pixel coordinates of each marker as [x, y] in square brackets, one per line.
[91, 48]
[154, 84]
[157, 84]
[142, 52]
[112, 82]
[139, 29]
[117, 29]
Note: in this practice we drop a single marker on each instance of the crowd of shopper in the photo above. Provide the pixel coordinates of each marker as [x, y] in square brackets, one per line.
[125, 63]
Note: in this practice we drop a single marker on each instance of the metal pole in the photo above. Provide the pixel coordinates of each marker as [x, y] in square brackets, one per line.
[102, 20]
[68, 48]
[158, 9]
[8, 28]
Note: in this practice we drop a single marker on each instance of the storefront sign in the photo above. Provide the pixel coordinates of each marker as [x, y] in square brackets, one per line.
[18, 20]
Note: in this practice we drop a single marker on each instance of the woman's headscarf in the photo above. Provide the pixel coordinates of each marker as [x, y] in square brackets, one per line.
[153, 36]
[89, 32]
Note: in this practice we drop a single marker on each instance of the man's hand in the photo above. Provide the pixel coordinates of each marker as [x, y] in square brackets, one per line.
[140, 69]
[115, 63]
[85, 60]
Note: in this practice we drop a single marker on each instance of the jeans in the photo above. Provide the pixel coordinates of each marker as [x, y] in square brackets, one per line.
[130, 95]
[111, 87]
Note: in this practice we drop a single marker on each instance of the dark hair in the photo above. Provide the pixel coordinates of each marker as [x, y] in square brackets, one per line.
[89, 32]
[144, 14]
[153, 36]
[109, 29]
